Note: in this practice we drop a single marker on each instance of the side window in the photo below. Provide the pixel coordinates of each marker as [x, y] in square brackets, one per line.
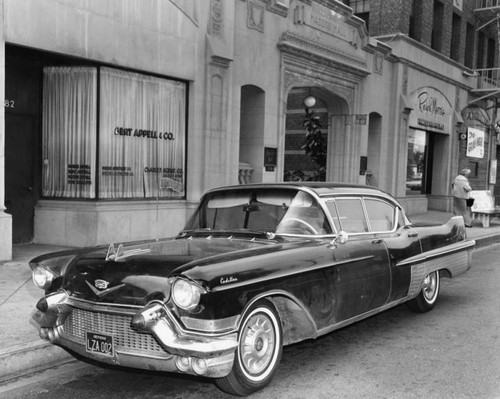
[335, 216]
[380, 214]
[349, 215]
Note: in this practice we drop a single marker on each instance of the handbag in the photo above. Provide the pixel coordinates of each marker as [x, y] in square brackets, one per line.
[470, 202]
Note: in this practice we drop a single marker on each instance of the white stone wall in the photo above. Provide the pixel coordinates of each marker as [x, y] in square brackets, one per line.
[156, 36]
[5, 219]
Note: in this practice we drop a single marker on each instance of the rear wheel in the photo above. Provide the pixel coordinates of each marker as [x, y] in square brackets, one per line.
[428, 296]
[259, 351]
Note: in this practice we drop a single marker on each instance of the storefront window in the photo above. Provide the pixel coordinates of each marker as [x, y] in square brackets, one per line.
[141, 134]
[416, 161]
[69, 132]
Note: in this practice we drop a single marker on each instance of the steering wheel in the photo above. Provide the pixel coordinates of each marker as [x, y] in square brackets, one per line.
[301, 222]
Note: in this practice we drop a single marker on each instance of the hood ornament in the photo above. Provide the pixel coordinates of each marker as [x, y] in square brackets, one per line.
[120, 254]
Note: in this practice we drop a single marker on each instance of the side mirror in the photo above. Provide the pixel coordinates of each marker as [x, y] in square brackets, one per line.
[341, 238]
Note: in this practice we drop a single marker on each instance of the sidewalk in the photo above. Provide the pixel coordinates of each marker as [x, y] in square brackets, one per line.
[22, 351]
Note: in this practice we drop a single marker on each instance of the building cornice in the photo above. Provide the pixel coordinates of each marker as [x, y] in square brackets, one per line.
[388, 39]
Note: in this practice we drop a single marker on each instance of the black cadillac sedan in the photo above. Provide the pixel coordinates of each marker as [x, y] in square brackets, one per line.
[256, 268]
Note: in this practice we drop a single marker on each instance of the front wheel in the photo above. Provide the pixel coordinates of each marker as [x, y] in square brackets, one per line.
[428, 296]
[260, 344]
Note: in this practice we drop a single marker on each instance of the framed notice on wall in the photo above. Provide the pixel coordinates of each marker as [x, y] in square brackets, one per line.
[493, 171]
[475, 143]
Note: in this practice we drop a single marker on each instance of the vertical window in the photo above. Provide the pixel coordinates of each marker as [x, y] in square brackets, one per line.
[350, 217]
[469, 46]
[415, 30]
[380, 214]
[437, 26]
[490, 56]
[68, 131]
[361, 8]
[416, 162]
[480, 51]
[455, 37]
[141, 136]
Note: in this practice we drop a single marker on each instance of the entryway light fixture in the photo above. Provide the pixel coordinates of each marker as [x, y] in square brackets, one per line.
[309, 101]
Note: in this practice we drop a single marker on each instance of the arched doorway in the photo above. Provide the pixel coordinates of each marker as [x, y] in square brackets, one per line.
[252, 118]
[334, 125]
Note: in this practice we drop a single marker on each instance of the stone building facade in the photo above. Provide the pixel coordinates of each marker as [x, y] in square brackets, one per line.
[119, 114]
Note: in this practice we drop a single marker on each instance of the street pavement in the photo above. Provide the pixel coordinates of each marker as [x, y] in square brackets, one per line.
[23, 352]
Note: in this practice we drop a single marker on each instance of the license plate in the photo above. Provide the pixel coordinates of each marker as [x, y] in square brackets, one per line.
[99, 344]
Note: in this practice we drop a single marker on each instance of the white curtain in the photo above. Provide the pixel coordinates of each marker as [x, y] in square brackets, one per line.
[69, 132]
[141, 136]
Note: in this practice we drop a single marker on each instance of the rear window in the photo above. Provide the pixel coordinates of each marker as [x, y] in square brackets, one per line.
[380, 214]
[348, 215]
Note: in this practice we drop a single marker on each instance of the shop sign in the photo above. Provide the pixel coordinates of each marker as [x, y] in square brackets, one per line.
[474, 113]
[475, 143]
[270, 157]
[431, 111]
[79, 174]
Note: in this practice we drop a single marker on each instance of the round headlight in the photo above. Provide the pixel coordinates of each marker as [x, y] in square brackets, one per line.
[185, 294]
[43, 277]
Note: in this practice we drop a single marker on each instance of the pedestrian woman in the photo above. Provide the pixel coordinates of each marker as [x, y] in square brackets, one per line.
[460, 192]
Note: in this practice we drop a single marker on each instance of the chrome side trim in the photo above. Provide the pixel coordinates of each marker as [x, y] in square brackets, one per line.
[435, 253]
[456, 263]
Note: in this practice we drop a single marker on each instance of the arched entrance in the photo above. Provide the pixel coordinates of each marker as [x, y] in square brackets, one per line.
[304, 159]
[252, 118]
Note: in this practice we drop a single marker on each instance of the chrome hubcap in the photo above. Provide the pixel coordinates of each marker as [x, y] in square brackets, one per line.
[257, 344]
[430, 286]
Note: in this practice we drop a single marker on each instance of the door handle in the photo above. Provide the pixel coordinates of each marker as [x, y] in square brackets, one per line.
[413, 235]
[379, 241]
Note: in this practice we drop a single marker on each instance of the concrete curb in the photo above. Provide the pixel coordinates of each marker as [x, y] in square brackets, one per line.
[20, 360]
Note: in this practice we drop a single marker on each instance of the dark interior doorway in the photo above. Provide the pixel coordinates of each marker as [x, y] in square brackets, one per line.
[22, 140]
[19, 180]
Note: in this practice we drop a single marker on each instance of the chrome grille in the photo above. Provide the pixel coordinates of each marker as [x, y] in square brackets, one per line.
[118, 326]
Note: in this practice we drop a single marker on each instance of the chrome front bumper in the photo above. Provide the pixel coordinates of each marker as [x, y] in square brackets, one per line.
[145, 338]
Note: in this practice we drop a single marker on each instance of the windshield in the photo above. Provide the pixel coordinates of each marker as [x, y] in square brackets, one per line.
[281, 211]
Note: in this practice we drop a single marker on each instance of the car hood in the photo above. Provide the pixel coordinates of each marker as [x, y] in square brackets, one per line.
[138, 273]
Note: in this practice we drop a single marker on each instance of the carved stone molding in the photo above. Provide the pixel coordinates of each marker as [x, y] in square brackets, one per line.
[308, 47]
[349, 119]
[255, 15]
[279, 7]
[404, 83]
[330, 83]
[216, 18]
[378, 64]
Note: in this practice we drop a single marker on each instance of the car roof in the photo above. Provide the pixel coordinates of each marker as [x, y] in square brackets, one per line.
[322, 189]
